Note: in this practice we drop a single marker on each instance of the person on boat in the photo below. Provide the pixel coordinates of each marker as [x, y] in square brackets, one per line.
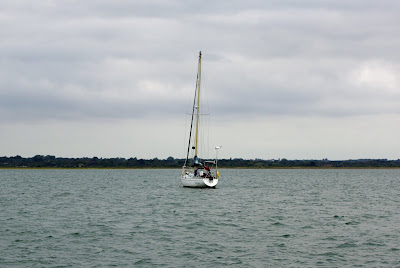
[206, 167]
[207, 171]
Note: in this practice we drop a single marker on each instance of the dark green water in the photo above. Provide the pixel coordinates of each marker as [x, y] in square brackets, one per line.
[255, 218]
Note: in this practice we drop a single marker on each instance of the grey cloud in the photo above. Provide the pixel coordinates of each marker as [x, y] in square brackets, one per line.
[102, 59]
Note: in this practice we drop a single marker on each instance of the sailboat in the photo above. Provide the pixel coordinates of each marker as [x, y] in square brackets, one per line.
[198, 173]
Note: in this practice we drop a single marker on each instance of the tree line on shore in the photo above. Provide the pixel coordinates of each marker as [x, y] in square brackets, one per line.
[49, 161]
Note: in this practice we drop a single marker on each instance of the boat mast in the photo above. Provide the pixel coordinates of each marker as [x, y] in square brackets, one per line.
[197, 107]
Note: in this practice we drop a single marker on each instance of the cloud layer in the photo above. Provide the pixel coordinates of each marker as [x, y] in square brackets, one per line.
[74, 61]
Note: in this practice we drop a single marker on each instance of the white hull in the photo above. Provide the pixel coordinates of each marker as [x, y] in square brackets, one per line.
[198, 182]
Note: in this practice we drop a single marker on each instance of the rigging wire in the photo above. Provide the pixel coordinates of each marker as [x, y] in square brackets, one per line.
[191, 123]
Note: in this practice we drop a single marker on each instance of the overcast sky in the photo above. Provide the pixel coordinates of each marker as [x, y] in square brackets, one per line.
[299, 79]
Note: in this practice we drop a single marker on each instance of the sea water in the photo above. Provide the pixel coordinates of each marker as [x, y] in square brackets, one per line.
[254, 218]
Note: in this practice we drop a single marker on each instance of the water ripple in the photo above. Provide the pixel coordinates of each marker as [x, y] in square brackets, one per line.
[144, 218]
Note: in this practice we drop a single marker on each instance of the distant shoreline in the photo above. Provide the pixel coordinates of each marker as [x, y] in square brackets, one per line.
[52, 162]
[176, 168]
